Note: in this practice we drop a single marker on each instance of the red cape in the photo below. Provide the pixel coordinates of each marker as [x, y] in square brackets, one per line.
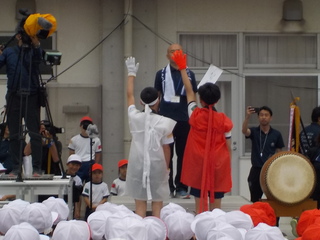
[207, 161]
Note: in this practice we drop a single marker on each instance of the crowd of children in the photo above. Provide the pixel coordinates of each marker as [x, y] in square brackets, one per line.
[21, 220]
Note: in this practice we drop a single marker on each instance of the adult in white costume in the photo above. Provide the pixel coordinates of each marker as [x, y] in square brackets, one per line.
[147, 174]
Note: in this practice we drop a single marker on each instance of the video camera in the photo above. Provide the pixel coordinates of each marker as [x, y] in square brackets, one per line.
[53, 130]
[41, 26]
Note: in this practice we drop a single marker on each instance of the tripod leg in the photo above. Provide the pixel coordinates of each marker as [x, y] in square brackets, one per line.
[33, 125]
[14, 125]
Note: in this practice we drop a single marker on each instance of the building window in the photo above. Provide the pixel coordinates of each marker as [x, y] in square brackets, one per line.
[280, 51]
[204, 49]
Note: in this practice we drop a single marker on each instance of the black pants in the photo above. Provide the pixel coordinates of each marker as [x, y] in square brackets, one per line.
[180, 134]
[29, 110]
[316, 193]
[255, 187]
[254, 184]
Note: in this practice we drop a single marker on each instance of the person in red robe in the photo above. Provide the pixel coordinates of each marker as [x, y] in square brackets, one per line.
[207, 158]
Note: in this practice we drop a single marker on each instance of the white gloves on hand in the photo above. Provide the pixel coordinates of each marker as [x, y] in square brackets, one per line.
[132, 66]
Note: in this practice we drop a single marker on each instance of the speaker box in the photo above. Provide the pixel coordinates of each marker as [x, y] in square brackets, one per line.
[292, 10]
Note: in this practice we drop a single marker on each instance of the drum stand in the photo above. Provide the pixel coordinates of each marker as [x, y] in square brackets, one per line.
[294, 210]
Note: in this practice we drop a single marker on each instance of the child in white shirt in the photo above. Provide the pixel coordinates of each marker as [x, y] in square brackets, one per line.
[118, 185]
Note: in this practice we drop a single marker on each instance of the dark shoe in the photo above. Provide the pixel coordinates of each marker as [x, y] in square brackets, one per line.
[171, 194]
[182, 194]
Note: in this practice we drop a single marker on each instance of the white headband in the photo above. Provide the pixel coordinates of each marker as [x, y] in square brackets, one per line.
[150, 104]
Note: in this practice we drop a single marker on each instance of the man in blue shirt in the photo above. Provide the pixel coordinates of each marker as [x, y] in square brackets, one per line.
[173, 104]
[23, 86]
[266, 141]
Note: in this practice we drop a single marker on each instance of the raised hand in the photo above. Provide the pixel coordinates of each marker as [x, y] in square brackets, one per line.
[132, 66]
[180, 59]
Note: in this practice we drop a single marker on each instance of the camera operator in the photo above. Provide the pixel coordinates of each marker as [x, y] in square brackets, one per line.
[51, 151]
[22, 96]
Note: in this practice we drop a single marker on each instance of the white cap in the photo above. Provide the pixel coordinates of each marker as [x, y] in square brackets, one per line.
[130, 227]
[8, 217]
[156, 228]
[202, 217]
[179, 225]
[217, 212]
[72, 229]
[243, 232]
[114, 208]
[39, 216]
[24, 231]
[204, 221]
[239, 219]
[170, 208]
[57, 205]
[224, 231]
[18, 204]
[264, 232]
[97, 222]
[108, 206]
[74, 158]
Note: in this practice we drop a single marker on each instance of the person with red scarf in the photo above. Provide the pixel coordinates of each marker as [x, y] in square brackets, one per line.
[207, 158]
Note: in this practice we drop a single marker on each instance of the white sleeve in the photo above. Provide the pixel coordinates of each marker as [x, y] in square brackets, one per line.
[228, 135]
[131, 108]
[106, 192]
[97, 145]
[86, 189]
[191, 107]
[114, 190]
[167, 139]
[71, 144]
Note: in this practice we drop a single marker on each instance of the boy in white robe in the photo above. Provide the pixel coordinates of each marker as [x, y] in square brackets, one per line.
[147, 174]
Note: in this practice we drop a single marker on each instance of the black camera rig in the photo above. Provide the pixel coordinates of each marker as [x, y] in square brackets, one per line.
[53, 130]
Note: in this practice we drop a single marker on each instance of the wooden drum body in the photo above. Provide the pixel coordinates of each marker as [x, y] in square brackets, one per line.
[287, 177]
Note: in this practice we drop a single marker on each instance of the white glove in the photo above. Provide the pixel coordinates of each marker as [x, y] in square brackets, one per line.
[132, 66]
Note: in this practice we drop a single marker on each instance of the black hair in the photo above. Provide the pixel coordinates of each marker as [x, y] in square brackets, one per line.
[315, 114]
[148, 95]
[209, 93]
[85, 124]
[266, 109]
